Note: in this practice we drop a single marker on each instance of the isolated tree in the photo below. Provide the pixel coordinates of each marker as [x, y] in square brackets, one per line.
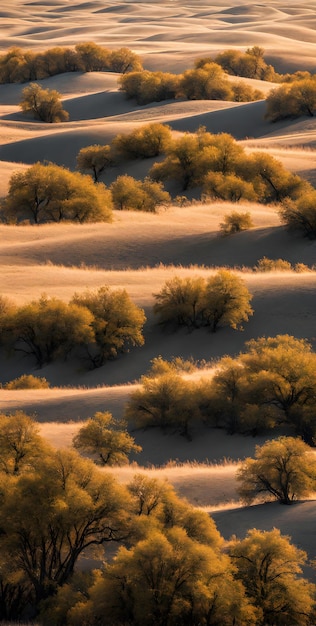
[117, 323]
[47, 192]
[20, 443]
[95, 159]
[269, 566]
[148, 141]
[300, 215]
[236, 222]
[48, 328]
[43, 104]
[106, 439]
[283, 468]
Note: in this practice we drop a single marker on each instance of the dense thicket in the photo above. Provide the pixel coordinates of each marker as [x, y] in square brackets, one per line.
[271, 384]
[20, 66]
[209, 82]
[222, 300]
[292, 100]
[171, 565]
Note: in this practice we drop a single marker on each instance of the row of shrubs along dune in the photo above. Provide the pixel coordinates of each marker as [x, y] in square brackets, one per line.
[214, 163]
[103, 323]
[171, 564]
[19, 65]
[206, 81]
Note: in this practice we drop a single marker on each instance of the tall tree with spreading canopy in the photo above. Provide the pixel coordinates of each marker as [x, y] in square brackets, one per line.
[284, 468]
[270, 567]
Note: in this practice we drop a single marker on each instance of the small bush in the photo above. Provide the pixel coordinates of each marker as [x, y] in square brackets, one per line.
[27, 381]
[273, 265]
[235, 222]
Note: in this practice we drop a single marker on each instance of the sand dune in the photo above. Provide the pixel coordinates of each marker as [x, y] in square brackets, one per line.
[139, 252]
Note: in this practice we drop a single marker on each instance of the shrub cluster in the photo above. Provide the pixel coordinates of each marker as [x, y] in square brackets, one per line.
[100, 324]
[271, 384]
[222, 300]
[20, 66]
[208, 82]
[224, 170]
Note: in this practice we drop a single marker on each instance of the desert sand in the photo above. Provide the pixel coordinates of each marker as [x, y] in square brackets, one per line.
[140, 251]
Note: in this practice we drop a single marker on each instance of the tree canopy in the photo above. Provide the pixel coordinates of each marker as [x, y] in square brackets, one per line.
[50, 193]
[106, 439]
[284, 468]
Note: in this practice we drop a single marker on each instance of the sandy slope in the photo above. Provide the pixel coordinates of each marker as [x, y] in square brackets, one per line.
[61, 259]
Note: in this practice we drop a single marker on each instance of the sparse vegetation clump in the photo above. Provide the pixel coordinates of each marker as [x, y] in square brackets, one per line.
[236, 222]
[50, 193]
[222, 300]
[250, 64]
[219, 165]
[272, 383]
